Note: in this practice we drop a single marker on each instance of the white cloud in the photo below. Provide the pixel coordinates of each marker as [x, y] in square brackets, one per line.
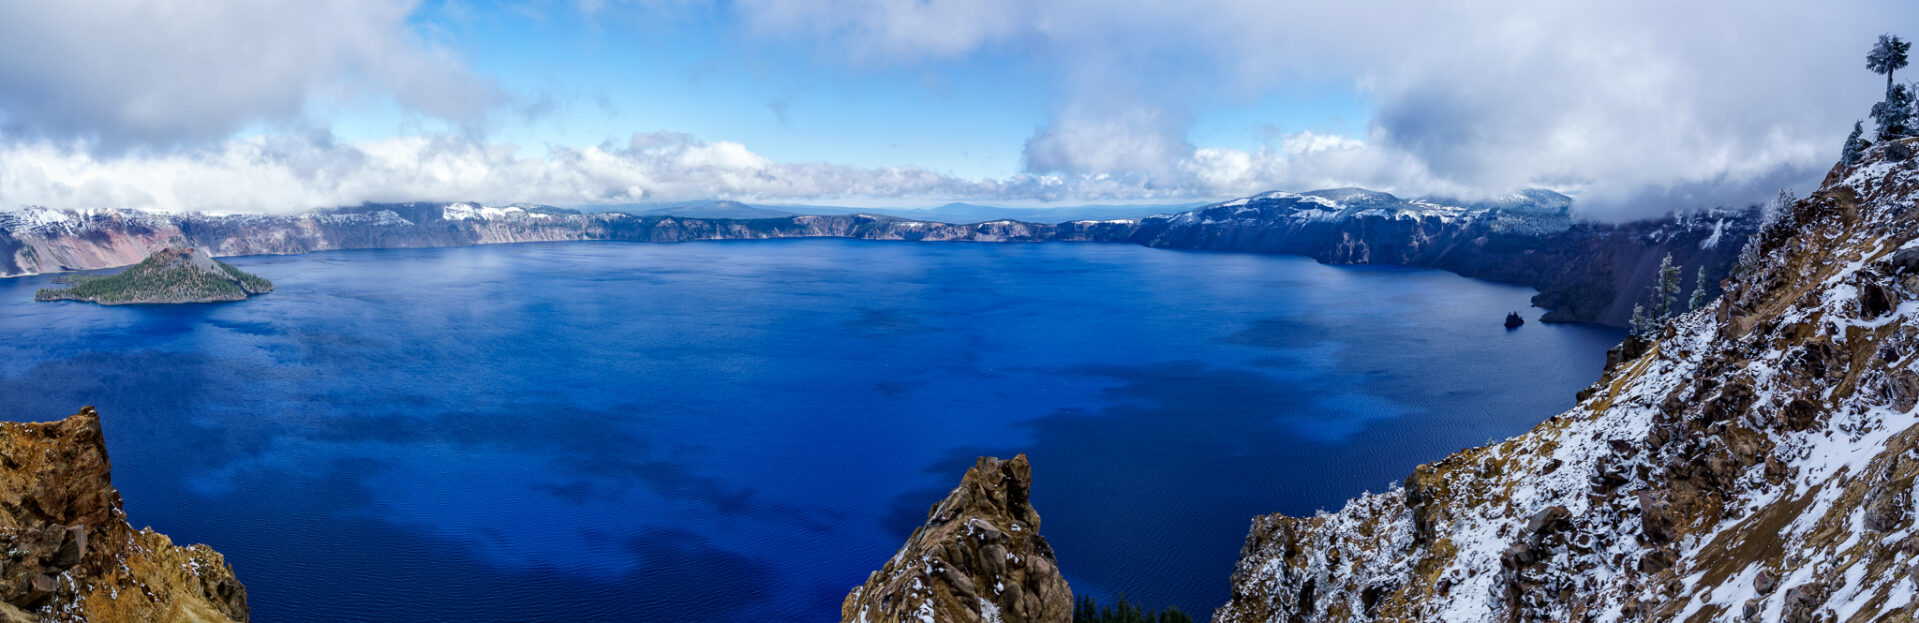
[1136, 140]
[292, 173]
[142, 72]
[283, 174]
[890, 31]
[1637, 105]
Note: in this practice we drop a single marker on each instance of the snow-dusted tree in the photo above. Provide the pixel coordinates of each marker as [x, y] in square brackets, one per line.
[1780, 208]
[1698, 289]
[1775, 223]
[1894, 115]
[1887, 56]
[1666, 292]
[1855, 146]
[1640, 325]
[1647, 319]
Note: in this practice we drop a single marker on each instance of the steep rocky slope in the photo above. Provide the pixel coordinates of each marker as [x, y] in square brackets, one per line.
[1755, 462]
[1586, 272]
[70, 553]
[978, 559]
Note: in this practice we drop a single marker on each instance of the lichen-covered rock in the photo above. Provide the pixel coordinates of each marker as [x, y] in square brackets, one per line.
[1755, 461]
[70, 553]
[978, 559]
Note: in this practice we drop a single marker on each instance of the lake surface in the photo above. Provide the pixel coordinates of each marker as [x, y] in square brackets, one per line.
[741, 431]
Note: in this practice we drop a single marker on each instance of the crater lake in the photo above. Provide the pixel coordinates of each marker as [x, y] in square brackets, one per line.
[741, 431]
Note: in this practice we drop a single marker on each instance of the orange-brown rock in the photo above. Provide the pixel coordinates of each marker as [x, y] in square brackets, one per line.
[978, 559]
[70, 553]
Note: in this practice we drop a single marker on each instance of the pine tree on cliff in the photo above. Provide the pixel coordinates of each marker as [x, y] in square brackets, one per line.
[1775, 221]
[1855, 146]
[1698, 290]
[1894, 115]
[1887, 56]
[1666, 294]
[1647, 321]
[1641, 324]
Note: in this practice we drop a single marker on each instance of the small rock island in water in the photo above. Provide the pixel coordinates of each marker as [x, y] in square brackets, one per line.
[170, 275]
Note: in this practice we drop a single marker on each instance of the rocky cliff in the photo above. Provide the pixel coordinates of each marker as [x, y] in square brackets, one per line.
[1755, 462]
[70, 553]
[1586, 272]
[978, 559]
[39, 240]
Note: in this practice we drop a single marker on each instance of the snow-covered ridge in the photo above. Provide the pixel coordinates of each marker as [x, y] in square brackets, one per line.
[472, 211]
[1349, 203]
[1757, 462]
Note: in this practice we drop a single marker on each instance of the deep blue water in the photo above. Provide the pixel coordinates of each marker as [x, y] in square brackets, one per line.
[743, 430]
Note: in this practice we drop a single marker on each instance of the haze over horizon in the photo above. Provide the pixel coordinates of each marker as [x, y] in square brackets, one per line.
[919, 103]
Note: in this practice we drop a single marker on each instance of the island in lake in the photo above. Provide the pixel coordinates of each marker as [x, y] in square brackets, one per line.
[170, 275]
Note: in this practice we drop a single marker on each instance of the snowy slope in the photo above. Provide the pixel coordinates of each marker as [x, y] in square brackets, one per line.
[1755, 463]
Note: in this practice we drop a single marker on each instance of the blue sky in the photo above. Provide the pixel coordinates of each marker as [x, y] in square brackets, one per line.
[1634, 107]
[614, 72]
[601, 74]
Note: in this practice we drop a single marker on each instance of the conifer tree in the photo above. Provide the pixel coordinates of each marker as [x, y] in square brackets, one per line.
[1646, 320]
[1894, 115]
[1666, 293]
[1855, 147]
[1698, 289]
[1886, 56]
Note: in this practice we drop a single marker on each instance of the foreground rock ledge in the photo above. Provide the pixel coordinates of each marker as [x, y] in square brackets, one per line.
[979, 558]
[70, 553]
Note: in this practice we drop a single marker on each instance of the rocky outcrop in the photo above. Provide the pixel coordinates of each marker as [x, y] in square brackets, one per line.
[1585, 272]
[1755, 461]
[170, 275]
[978, 559]
[70, 553]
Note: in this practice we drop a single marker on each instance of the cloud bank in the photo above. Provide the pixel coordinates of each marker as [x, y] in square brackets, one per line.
[1633, 106]
[129, 73]
[277, 174]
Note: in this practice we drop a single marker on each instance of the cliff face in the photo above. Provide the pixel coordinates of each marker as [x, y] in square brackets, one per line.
[72, 556]
[1755, 463]
[39, 240]
[978, 559]
[1586, 272]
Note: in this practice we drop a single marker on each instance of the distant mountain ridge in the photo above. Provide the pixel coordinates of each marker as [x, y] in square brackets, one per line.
[956, 213]
[1586, 272]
